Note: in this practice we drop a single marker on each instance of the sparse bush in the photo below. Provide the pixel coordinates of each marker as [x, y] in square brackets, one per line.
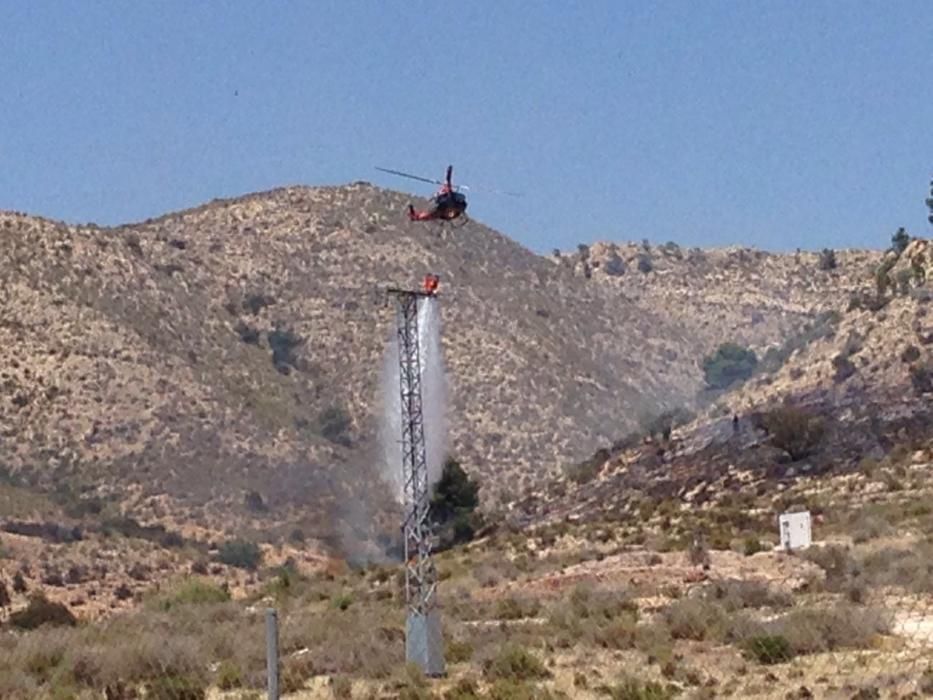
[254, 303]
[752, 545]
[739, 594]
[906, 568]
[342, 601]
[512, 608]
[516, 664]
[176, 687]
[769, 649]
[41, 611]
[730, 363]
[836, 562]
[910, 354]
[254, 502]
[903, 279]
[335, 424]
[696, 619]
[247, 333]
[283, 343]
[634, 689]
[794, 431]
[844, 368]
[821, 630]
[241, 554]
[921, 378]
[191, 592]
[587, 470]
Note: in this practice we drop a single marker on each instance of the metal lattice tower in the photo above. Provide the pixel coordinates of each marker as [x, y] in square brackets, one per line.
[424, 643]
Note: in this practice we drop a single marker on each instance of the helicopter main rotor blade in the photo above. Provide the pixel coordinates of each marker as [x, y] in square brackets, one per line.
[489, 189]
[413, 177]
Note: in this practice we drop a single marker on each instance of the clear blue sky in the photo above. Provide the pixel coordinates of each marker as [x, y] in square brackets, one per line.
[772, 124]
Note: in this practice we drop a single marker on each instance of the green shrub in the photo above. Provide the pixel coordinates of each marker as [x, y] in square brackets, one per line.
[516, 664]
[229, 676]
[241, 554]
[769, 649]
[342, 601]
[192, 591]
[454, 506]
[172, 687]
[730, 363]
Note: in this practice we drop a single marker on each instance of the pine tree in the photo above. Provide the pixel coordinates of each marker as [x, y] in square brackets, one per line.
[930, 203]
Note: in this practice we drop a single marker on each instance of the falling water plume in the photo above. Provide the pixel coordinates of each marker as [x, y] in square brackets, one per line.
[433, 399]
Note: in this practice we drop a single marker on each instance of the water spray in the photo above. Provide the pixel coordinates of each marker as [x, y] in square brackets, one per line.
[420, 374]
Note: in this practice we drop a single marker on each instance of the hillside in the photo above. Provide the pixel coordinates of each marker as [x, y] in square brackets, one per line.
[751, 297]
[215, 373]
[141, 355]
[853, 388]
[211, 374]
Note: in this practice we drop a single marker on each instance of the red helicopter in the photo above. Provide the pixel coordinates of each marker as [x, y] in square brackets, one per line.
[447, 204]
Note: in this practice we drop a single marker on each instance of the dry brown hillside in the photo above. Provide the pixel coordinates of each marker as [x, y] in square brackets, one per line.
[237, 346]
[855, 387]
[751, 297]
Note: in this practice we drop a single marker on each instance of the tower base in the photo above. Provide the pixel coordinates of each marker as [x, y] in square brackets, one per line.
[424, 642]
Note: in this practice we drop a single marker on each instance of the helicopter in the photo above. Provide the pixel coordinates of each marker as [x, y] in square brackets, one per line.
[447, 204]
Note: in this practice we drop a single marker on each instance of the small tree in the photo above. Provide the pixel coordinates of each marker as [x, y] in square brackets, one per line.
[454, 504]
[930, 204]
[794, 431]
[828, 259]
[730, 363]
[900, 240]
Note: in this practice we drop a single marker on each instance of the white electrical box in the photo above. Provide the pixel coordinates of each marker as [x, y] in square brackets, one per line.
[795, 530]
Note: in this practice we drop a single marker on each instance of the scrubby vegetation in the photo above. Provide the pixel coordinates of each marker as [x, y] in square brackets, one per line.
[730, 364]
[240, 553]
